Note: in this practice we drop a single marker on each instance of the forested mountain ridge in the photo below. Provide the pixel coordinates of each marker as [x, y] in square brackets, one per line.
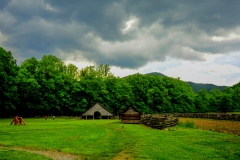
[196, 86]
[49, 86]
[155, 73]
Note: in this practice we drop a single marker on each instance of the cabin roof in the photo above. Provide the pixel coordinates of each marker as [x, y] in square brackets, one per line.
[126, 108]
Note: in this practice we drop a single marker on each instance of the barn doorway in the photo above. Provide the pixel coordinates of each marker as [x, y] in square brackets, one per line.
[97, 115]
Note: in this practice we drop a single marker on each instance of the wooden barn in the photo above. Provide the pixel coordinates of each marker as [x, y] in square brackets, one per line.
[130, 115]
[97, 111]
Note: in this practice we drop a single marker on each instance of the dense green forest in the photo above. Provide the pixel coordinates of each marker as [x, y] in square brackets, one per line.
[49, 86]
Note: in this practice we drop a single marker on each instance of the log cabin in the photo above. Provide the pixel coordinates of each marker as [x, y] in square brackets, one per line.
[130, 115]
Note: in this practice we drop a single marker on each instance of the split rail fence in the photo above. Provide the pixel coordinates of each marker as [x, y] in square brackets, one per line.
[158, 121]
[217, 116]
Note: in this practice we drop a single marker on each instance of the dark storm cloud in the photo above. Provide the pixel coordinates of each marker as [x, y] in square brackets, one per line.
[133, 32]
[3, 3]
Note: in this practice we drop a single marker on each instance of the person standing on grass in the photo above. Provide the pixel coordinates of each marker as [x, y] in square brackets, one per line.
[15, 120]
[53, 117]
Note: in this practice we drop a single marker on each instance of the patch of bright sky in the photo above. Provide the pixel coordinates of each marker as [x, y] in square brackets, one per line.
[80, 64]
[206, 72]
[2, 38]
[229, 37]
[79, 61]
[198, 72]
[130, 25]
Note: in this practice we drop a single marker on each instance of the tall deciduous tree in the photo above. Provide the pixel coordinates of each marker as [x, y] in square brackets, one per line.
[139, 85]
[202, 101]
[28, 93]
[181, 95]
[214, 100]
[119, 95]
[73, 71]
[8, 88]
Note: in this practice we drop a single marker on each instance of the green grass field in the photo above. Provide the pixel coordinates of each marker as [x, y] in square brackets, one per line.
[108, 139]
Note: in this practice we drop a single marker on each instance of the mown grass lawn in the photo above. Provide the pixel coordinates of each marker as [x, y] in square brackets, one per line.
[107, 139]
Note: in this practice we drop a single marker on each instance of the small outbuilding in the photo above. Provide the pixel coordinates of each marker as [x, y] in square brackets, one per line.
[97, 111]
[130, 115]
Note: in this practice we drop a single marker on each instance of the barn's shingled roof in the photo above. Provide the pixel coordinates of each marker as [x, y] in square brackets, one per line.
[99, 105]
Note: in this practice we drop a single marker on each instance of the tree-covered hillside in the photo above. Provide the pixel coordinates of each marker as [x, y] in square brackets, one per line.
[49, 86]
[156, 73]
[196, 86]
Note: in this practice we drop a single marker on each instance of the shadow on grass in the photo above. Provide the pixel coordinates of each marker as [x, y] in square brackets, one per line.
[115, 123]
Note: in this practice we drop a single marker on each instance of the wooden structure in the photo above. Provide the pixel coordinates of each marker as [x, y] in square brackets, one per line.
[159, 121]
[130, 115]
[217, 116]
[17, 120]
[97, 111]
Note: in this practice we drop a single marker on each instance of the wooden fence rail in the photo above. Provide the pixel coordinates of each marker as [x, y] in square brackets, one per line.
[217, 116]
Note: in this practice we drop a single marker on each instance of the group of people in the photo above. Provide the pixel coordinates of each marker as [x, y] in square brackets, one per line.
[53, 117]
[17, 120]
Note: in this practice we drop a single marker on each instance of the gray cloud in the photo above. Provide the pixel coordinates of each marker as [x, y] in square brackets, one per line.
[232, 59]
[3, 4]
[121, 33]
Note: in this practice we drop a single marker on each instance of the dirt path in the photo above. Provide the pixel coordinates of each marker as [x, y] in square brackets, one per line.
[55, 155]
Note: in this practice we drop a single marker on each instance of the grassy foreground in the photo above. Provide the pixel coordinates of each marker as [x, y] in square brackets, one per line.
[109, 139]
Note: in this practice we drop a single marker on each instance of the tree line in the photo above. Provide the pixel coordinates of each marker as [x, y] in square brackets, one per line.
[49, 86]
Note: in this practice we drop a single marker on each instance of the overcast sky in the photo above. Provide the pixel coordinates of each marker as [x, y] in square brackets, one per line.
[196, 40]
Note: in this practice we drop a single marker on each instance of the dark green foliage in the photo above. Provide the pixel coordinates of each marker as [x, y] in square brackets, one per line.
[8, 88]
[202, 101]
[119, 94]
[236, 85]
[181, 95]
[48, 86]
